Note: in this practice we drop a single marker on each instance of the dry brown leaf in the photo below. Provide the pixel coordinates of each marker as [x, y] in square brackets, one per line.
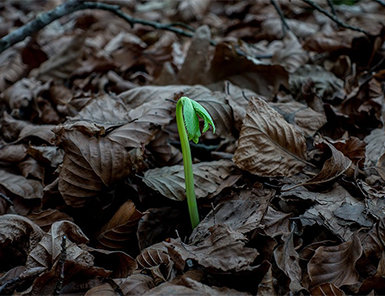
[47, 252]
[11, 127]
[327, 289]
[147, 120]
[31, 168]
[303, 118]
[18, 236]
[163, 152]
[169, 181]
[223, 249]
[11, 67]
[375, 281]
[336, 264]
[276, 223]
[287, 260]
[21, 186]
[89, 164]
[102, 290]
[104, 110]
[136, 284]
[119, 231]
[46, 218]
[196, 62]
[61, 65]
[353, 148]
[153, 255]
[291, 55]
[333, 167]
[243, 216]
[268, 145]
[120, 263]
[192, 10]
[50, 155]
[13, 153]
[375, 146]
[266, 286]
[43, 132]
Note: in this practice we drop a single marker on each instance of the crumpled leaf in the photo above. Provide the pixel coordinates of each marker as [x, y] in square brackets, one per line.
[21, 186]
[13, 153]
[18, 236]
[169, 181]
[136, 284]
[89, 164]
[12, 67]
[288, 261]
[268, 146]
[48, 250]
[118, 232]
[46, 218]
[303, 118]
[327, 289]
[335, 264]
[333, 167]
[224, 249]
[375, 146]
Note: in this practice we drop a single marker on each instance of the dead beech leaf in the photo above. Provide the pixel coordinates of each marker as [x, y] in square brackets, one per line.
[102, 290]
[48, 250]
[117, 233]
[136, 284]
[353, 148]
[291, 55]
[375, 146]
[304, 118]
[17, 233]
[169, 181]
[104, 110]
[192, 10]
[224, 249]
[50, 155]
[336, 264]
[21, 186]
[334, 167]
[11, 67]
[147, 120]
[13, 153]
[89, 164]
[10, 127]
[266, 286]
[43, 132]
[375, 281]
[61, 65]
[46, 218]
[239, 215]
[269, 146]
[287, 260]
[327, 289]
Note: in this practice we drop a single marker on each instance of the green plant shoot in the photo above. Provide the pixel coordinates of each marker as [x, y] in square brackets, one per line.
[187, 112]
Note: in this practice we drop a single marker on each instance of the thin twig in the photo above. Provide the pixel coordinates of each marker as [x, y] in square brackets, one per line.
[37, 24]
[330, 2]
[61, 263]
[6, 198]
[285, 26]
[334, 18]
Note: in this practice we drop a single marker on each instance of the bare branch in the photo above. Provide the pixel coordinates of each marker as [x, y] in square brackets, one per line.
[285, 26]
[334, 18]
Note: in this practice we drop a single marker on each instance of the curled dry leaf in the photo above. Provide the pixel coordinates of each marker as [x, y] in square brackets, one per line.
[268, 145]
[147, 120]
[304, 118]
[239, 215]
[46, 218]
[327, 289]
[223, 249]
[89, 164]
[48, 250]
[18, 236]
[11, 67]
[13, 153]
[119, 231]
[169, 181]
[375, 146]
[287, 260]
[336, 264]
[50, 155]
[136, 284]
[334, 167]
[21, 186]
[353, 148]
[11, 127]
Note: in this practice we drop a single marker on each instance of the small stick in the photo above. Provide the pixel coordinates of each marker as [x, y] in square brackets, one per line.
[285, 26]
[6, 198]
[334, 18]
[62, 260]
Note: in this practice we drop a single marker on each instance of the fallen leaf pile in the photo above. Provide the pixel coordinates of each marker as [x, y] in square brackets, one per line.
[290, 187]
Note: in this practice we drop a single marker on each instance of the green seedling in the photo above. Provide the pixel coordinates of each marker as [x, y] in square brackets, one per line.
[187, 112]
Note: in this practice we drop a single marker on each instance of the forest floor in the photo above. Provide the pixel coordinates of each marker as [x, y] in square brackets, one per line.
[290, 185]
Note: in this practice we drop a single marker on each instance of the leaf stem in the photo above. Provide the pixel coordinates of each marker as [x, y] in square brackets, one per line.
[187, 164]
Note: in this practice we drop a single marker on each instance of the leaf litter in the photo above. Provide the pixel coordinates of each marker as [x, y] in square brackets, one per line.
[290, 186]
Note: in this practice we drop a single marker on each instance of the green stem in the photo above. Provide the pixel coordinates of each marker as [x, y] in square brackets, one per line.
[187, 163]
